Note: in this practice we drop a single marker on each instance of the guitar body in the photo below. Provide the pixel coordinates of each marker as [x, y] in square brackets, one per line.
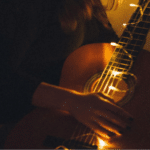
[33, 129]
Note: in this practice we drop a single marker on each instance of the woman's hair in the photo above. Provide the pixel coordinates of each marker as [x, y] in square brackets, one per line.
[73, 10]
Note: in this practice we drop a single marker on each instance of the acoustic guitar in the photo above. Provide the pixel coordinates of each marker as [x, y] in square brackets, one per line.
[102, 68]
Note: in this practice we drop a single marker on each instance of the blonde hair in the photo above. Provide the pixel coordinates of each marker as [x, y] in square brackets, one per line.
[73, 10]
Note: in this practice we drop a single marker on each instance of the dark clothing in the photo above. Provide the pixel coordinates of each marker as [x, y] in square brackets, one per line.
[33, 48]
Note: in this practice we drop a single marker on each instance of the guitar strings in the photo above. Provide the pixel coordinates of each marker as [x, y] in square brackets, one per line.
[130, 56]
[105, 78]
[131, 36]
[118, 46]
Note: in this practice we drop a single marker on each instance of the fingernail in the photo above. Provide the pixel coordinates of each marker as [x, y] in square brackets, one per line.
[111, 134]
[128, 128]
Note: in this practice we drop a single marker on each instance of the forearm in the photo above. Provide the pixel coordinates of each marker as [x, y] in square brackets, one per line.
[50, 96]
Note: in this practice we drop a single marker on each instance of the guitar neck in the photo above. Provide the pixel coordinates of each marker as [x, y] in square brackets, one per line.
[131, 41]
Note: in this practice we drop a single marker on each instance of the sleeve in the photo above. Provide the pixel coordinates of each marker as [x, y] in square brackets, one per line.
[16, 89]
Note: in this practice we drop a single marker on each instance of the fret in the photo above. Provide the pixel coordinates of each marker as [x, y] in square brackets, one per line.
[114, 77]
[144, 24]
[111, 68]
[126, 40]
[131, 41]
[146, 18]
[147, 11]
[147, 22]
[146, 14]
[141, 30]
[139, 42]
[130, 47]
[124, 55]
[137, 29]
[119, 59]
[139, 36]
[122, 51]
[127, 33]
[119, 64]
[133, 52]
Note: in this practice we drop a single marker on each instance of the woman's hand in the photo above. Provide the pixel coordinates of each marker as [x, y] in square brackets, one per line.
[99, 113]
[96, 111]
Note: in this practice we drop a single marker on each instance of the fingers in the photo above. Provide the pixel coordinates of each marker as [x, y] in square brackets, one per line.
[102, 132]
[118, 111]
[113, 107]
[120, 121]
[105, 128]
[109, 126]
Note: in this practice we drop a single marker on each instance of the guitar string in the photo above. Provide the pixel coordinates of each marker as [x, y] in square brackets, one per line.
[94, 91]
[139, 18]
[136, 23]
[84, 135]
[136, 42]
[113, 76]
[106, 76]
[103, 72]
[113, 63]
[80, 136]
[131, 36]
[141, 11]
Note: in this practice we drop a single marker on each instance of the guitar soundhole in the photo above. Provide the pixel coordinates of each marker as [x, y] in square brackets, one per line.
[121, 91]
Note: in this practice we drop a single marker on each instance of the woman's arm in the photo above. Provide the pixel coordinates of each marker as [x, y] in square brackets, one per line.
[94, 110]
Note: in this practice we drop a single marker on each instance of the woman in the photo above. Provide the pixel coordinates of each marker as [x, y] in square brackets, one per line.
[42, 33]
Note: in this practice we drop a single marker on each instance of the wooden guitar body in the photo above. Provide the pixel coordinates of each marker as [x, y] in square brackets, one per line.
[32, 131]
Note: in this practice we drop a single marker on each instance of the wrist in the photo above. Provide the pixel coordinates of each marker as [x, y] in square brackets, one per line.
[50, 96]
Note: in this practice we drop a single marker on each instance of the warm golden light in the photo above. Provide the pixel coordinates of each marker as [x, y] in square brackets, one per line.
[115, 44]
[134, 5]
[113, 88]
[115, 73]
[101, 143]
[124, 24]
[62, 147]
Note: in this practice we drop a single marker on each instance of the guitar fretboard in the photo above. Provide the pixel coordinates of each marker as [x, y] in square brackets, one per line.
[131, 41]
